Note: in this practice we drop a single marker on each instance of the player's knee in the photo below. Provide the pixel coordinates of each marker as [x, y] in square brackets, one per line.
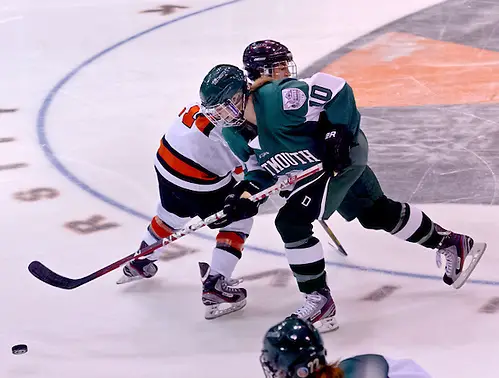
[156, 230]
[244, 226]
[160, 228]
[384, 214]
[231, 242]
[292, 229]
[231, 238]
[281, 223]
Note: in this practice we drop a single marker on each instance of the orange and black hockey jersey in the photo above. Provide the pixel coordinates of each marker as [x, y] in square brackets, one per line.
[189, 158]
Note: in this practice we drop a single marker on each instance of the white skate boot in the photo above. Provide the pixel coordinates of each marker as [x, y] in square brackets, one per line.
[219, 296]
[138, 269]
[319, 309]
[462, 255]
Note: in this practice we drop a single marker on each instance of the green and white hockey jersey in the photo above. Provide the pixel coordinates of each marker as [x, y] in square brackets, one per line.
[378, 366]
[286, 112]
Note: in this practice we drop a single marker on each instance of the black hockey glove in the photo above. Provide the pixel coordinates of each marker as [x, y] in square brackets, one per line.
[236, 207]
[337, 144]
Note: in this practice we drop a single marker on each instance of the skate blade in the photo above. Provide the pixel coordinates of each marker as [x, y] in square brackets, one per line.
[475, 254]
[220, 309]
[125, 279]
[325, 325]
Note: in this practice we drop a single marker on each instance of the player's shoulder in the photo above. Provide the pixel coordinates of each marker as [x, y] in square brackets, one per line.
[325, 80]
[189, 121]
[192, 114]
[292, 93]
[295, 93]
[376, 364]
[191, 108]
[238, 140]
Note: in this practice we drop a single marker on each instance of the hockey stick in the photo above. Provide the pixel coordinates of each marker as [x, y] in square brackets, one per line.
[48, 276]
[333, 237]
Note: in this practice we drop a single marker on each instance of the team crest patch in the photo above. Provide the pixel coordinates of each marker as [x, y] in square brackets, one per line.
[302, 372]
[293, 98]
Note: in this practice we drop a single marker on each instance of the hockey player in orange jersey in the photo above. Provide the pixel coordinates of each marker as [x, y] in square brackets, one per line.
[194, 169]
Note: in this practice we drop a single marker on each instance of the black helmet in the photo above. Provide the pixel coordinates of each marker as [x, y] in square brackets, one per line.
[292, 349]
[223, 95]
[261, 57]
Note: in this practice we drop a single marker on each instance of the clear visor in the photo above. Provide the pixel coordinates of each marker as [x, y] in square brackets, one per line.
[281, 70]
[227, 114]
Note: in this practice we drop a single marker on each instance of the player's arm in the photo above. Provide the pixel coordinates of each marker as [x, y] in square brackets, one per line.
[338, 118]
[332, 97]
[239, 145]
[237, 204]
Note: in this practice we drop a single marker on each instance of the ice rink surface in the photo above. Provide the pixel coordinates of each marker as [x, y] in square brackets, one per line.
[87, 88]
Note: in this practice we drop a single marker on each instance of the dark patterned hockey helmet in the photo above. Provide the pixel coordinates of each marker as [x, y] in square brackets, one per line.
[262, 58]
[292, 348]
[223, 94]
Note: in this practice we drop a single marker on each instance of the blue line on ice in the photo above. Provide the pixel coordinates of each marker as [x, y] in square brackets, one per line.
[43, 141]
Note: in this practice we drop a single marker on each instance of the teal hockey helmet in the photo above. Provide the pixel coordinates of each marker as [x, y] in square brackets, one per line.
[224, 92]
[292, 348]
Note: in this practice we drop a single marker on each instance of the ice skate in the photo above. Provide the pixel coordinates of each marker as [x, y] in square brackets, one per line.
[319, 309]
[219, 296]
[137, 269]
[462, 255]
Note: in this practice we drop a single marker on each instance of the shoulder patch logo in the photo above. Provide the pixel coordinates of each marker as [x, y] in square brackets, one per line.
[293, 98]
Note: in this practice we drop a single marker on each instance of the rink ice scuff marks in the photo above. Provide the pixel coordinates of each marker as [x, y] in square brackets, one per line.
[164, 10]
[44, 142]
[156, 328]
[428, 87]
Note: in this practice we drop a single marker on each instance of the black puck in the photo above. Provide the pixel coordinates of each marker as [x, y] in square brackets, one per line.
[19, 349]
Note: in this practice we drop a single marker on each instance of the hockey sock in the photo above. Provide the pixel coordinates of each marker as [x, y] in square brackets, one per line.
[306, 260]
[415, 226]
[227, 252]
[156, 230]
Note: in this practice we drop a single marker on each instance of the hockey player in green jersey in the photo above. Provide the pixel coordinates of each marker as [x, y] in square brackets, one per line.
[294, 349]
[285, 125]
